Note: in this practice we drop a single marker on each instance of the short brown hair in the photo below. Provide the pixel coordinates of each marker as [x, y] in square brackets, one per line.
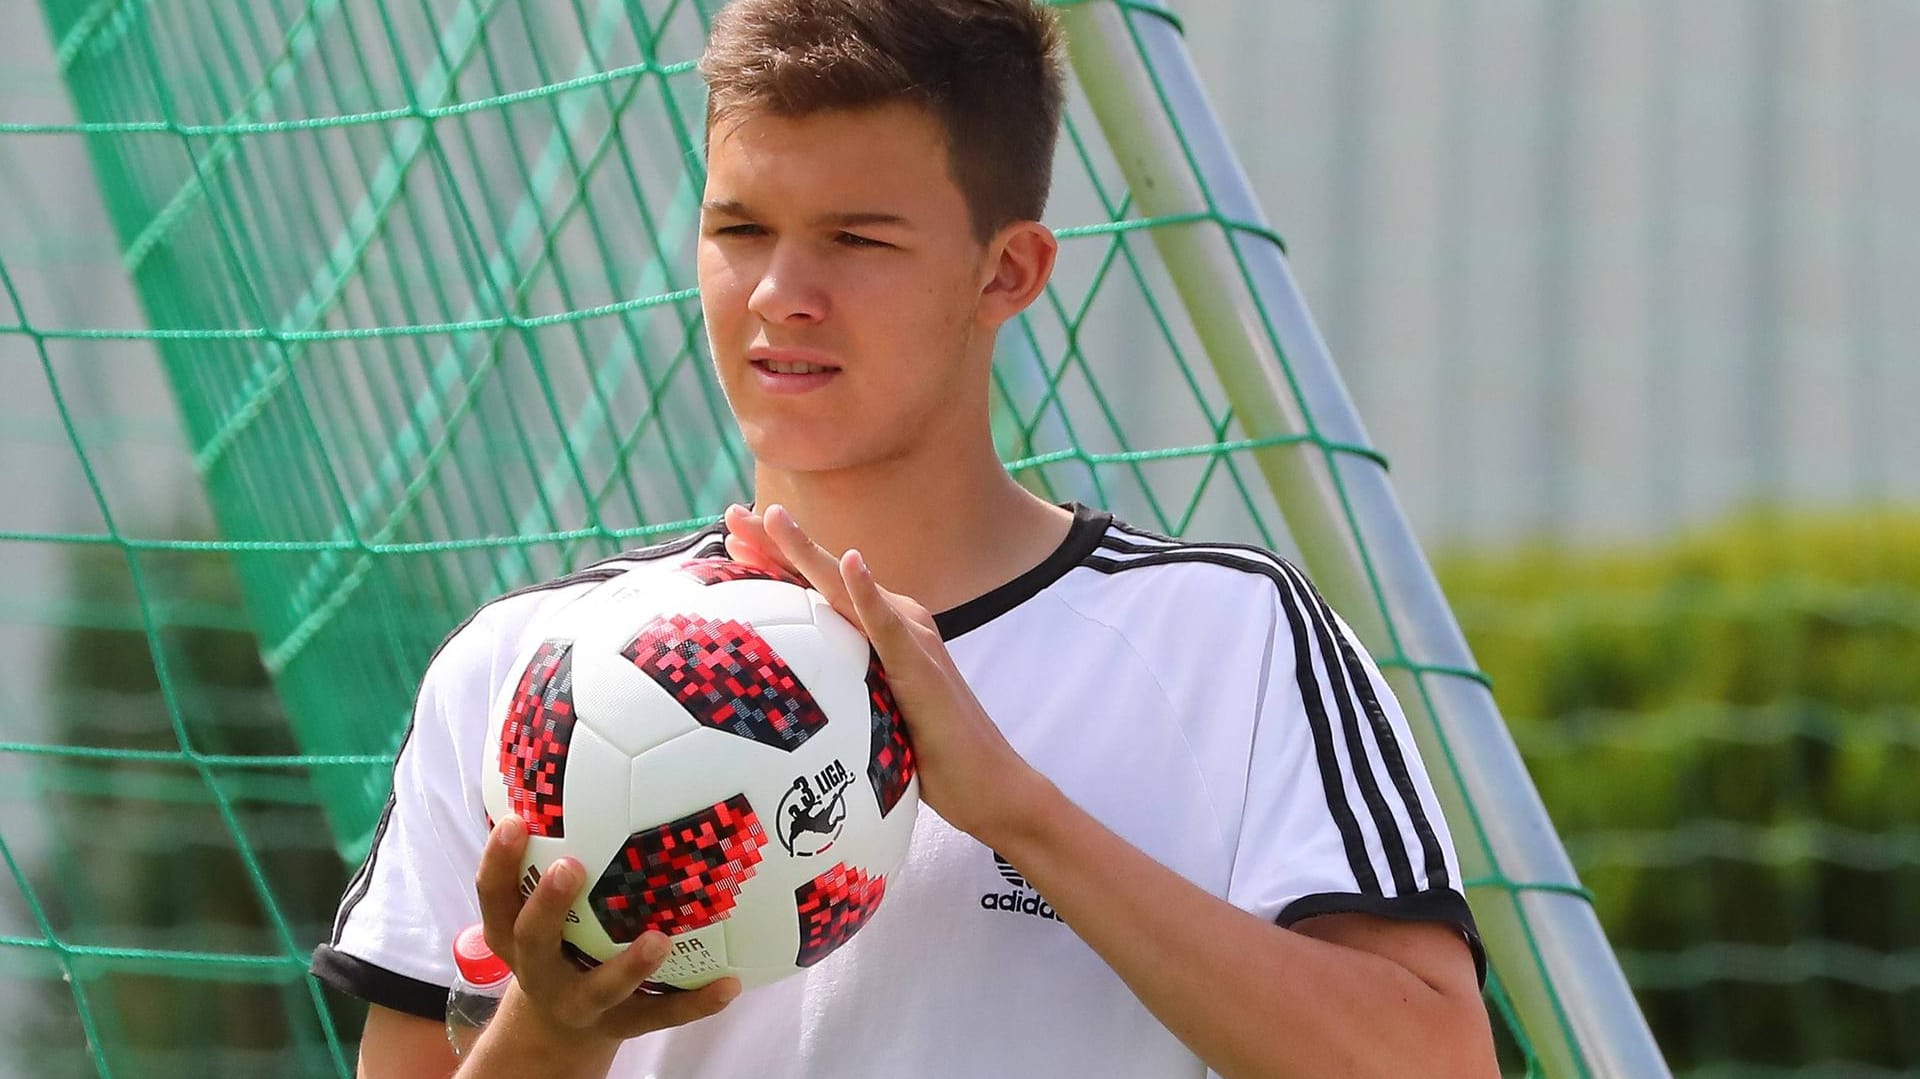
[990, 71]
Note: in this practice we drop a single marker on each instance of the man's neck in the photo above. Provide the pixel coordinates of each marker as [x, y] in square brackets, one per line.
[942, 531]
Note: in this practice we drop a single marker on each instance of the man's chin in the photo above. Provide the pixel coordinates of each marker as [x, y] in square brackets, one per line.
[796, 452]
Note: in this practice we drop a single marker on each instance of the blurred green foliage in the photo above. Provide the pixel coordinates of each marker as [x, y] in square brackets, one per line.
[1724, 727]
[148, 863]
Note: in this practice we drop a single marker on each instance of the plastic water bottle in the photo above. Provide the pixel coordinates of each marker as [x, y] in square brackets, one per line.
[480, 980]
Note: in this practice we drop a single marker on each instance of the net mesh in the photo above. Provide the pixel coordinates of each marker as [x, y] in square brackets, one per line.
[387, 307]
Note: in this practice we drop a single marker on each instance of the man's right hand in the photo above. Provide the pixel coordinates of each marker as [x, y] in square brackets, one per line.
[552, 1000]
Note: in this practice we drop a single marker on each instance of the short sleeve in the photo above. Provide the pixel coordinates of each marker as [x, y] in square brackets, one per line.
[1340, 816]
[392, 937]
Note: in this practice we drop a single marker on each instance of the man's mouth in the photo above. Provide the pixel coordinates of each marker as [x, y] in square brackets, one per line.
[791, 368]
[790, 371]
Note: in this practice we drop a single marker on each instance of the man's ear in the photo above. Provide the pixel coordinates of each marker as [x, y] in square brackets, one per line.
[1020, 261]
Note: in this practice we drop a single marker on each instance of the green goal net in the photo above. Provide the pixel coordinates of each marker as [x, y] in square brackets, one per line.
[371, 311]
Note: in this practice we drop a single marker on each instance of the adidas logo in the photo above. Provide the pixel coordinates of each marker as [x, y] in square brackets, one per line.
[1022, 900]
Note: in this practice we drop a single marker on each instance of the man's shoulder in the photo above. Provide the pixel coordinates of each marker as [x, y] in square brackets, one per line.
[1190, 609]
[1183, 578]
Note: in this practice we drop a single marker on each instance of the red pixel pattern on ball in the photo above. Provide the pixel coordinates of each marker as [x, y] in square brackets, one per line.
[890, 765]
[722, 570]
[533, 742]
[728, 678]
[679, 876]
[833, 906]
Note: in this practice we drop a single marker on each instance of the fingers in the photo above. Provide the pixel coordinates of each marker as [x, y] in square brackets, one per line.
[878, 616]
[901, 630]
[526, 932]
[536, 932]
[646, 1014]
[777, 533]
[612, 982]
[747, 541]
[611, 991]
[546, 975]
[741, 551]
[806, 556]
[498, 884]
[830, 576]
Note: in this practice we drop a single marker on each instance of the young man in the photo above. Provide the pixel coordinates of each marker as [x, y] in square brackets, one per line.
[1178, 746]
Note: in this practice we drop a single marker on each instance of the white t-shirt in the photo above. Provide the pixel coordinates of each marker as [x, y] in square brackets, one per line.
[1198, 699]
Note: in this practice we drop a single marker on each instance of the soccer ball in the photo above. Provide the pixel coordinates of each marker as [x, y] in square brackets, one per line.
[720, 749]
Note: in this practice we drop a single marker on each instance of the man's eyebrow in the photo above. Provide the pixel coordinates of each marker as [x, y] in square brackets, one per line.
[857, 218]
[844, 219]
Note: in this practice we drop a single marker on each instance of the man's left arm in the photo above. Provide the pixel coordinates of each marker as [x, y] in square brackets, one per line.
[1347, 993]
[1341, 994]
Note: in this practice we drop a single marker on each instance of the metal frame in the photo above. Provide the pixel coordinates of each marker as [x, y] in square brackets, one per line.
[1570, 998]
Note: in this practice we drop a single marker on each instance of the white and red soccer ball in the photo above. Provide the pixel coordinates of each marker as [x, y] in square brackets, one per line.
[720, 749]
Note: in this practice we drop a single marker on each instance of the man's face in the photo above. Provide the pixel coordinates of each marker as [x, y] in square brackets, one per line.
[841, 278]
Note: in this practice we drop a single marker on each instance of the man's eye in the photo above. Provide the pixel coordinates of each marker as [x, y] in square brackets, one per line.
[854, 240]
[740, 230]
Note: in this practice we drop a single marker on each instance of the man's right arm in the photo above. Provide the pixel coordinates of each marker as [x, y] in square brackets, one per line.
[556, 1021]
[395, 1045]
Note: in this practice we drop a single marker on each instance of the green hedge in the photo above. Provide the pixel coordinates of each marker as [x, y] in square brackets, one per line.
[1725, 729]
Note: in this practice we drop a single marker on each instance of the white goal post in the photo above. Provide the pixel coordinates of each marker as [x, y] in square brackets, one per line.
[1570, 998]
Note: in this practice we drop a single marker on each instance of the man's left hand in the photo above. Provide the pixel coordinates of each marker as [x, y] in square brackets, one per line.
[969, 774]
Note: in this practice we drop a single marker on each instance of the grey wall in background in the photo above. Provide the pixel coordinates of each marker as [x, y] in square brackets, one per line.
[1598, 268]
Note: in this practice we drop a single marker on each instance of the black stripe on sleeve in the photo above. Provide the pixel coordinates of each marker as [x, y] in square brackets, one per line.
[1443, 905]
[1337, 678]
[1331, 784]
[1349, 684]
[1389, 744]
[378, 985]
[363, 878]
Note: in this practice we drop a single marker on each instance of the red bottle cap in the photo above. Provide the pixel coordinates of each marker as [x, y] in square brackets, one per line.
[478, 965]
